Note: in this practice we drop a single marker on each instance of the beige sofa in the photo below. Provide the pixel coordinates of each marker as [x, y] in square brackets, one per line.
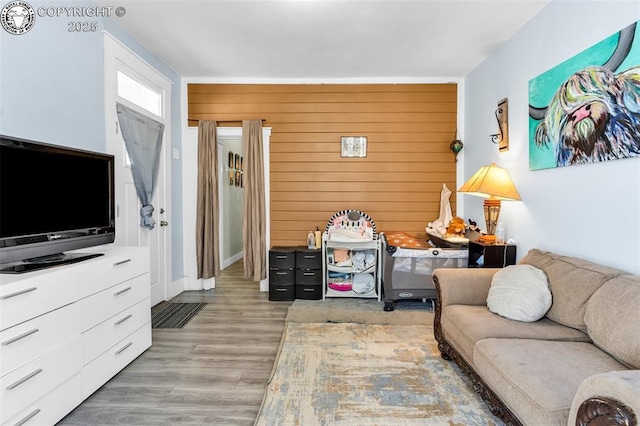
[579, 364]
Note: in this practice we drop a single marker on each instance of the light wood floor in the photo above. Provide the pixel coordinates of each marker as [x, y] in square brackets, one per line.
[213, 371]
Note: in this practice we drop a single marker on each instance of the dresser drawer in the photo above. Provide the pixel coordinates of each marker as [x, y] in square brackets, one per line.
[308, 258]
[97, 308]
[282, 292]
[118, 266]
[282, 258]
[52, 407]
[308, 276]
[103, 336]
[27, 341]
[282, 276]
[27, 384]
[309, 292]
[103, 368]
[22, 299]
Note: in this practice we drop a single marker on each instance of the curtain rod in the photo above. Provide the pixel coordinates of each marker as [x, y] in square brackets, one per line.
[223, 121]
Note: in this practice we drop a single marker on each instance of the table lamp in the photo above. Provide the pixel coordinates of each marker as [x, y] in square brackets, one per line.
[494, 184]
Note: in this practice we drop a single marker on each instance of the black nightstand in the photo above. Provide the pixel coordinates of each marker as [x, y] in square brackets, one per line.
[495, 255]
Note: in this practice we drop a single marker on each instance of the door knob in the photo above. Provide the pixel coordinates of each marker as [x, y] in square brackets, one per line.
[163, 223]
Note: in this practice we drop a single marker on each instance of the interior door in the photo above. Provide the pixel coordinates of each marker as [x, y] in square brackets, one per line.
[134, 83]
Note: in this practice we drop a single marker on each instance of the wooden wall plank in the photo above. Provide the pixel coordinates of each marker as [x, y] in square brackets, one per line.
[409, 128]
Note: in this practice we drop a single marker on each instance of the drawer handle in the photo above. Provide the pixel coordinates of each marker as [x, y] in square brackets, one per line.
[22, 336]
[28, 417]
[18, 293]
[309, 257]
[122, 320]
[24, 379]
[281, 273]
[124, 290]
[124, 348]
[281, 256]
[308, 289]
[121, 262]
[281, 289]
[307, 274]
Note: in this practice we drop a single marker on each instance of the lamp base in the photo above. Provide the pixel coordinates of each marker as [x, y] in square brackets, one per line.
[491, 214]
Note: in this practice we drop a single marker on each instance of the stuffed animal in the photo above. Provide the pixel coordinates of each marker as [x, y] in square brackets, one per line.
[456, 228]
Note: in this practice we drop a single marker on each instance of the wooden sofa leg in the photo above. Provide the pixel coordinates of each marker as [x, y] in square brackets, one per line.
[604, 411]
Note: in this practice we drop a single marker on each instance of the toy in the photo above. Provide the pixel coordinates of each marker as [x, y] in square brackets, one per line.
[456, 228]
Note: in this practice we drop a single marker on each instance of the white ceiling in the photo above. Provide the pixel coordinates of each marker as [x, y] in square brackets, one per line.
[323, 40]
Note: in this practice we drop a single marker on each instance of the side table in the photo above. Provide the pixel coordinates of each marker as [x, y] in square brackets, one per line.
[491, 255]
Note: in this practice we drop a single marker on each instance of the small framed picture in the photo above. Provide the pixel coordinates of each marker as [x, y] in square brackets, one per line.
[242, 180]
[231, 160]
[231, 175]
[353, 146]
[242, 163]
[237, 162]
[237, 178]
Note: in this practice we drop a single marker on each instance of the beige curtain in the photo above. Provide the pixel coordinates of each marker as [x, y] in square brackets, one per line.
[207, 208]
[254, 234]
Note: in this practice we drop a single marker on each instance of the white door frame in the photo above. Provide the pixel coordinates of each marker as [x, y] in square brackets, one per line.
[119, 57]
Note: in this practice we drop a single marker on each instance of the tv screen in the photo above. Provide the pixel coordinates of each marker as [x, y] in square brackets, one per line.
[53, 199]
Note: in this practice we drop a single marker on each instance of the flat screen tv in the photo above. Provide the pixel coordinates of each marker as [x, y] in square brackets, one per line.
[53, 199]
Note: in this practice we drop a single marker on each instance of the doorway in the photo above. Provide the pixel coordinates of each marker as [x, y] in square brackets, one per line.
[231, 196]
[190, 181]
[136, 84]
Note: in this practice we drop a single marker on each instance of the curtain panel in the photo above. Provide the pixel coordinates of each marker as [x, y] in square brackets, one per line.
[207, 255]
[254, 234]
[143, 138]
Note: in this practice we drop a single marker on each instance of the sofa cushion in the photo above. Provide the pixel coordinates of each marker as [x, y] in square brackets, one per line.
[537, 379]
[612, 317]
[464, 325]
[519, 292]
[572, 282]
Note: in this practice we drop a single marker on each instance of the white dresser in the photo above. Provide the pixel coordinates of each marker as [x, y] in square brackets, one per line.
[65, 331]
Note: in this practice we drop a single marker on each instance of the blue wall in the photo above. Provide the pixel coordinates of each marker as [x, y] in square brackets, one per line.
[51, 85]
[52, 90]
[589, 211]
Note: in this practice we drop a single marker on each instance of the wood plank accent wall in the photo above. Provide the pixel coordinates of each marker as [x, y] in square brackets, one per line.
[409, 128]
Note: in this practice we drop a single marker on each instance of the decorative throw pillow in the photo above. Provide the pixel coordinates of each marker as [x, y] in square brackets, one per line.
[520, 292]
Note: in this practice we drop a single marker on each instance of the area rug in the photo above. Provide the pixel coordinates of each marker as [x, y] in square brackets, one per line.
[174, 315]
[367, 374]
[361, 311]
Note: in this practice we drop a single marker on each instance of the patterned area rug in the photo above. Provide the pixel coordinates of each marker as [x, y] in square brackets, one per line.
[174, 315]
[367, 374]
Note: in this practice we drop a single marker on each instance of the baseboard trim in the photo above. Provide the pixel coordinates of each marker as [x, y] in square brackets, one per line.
[230, 261]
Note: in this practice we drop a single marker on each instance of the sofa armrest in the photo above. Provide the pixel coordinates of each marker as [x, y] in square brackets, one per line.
[460, 286]
[608, 398]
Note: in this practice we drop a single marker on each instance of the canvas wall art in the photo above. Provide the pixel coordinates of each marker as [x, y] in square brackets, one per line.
[587, 109]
